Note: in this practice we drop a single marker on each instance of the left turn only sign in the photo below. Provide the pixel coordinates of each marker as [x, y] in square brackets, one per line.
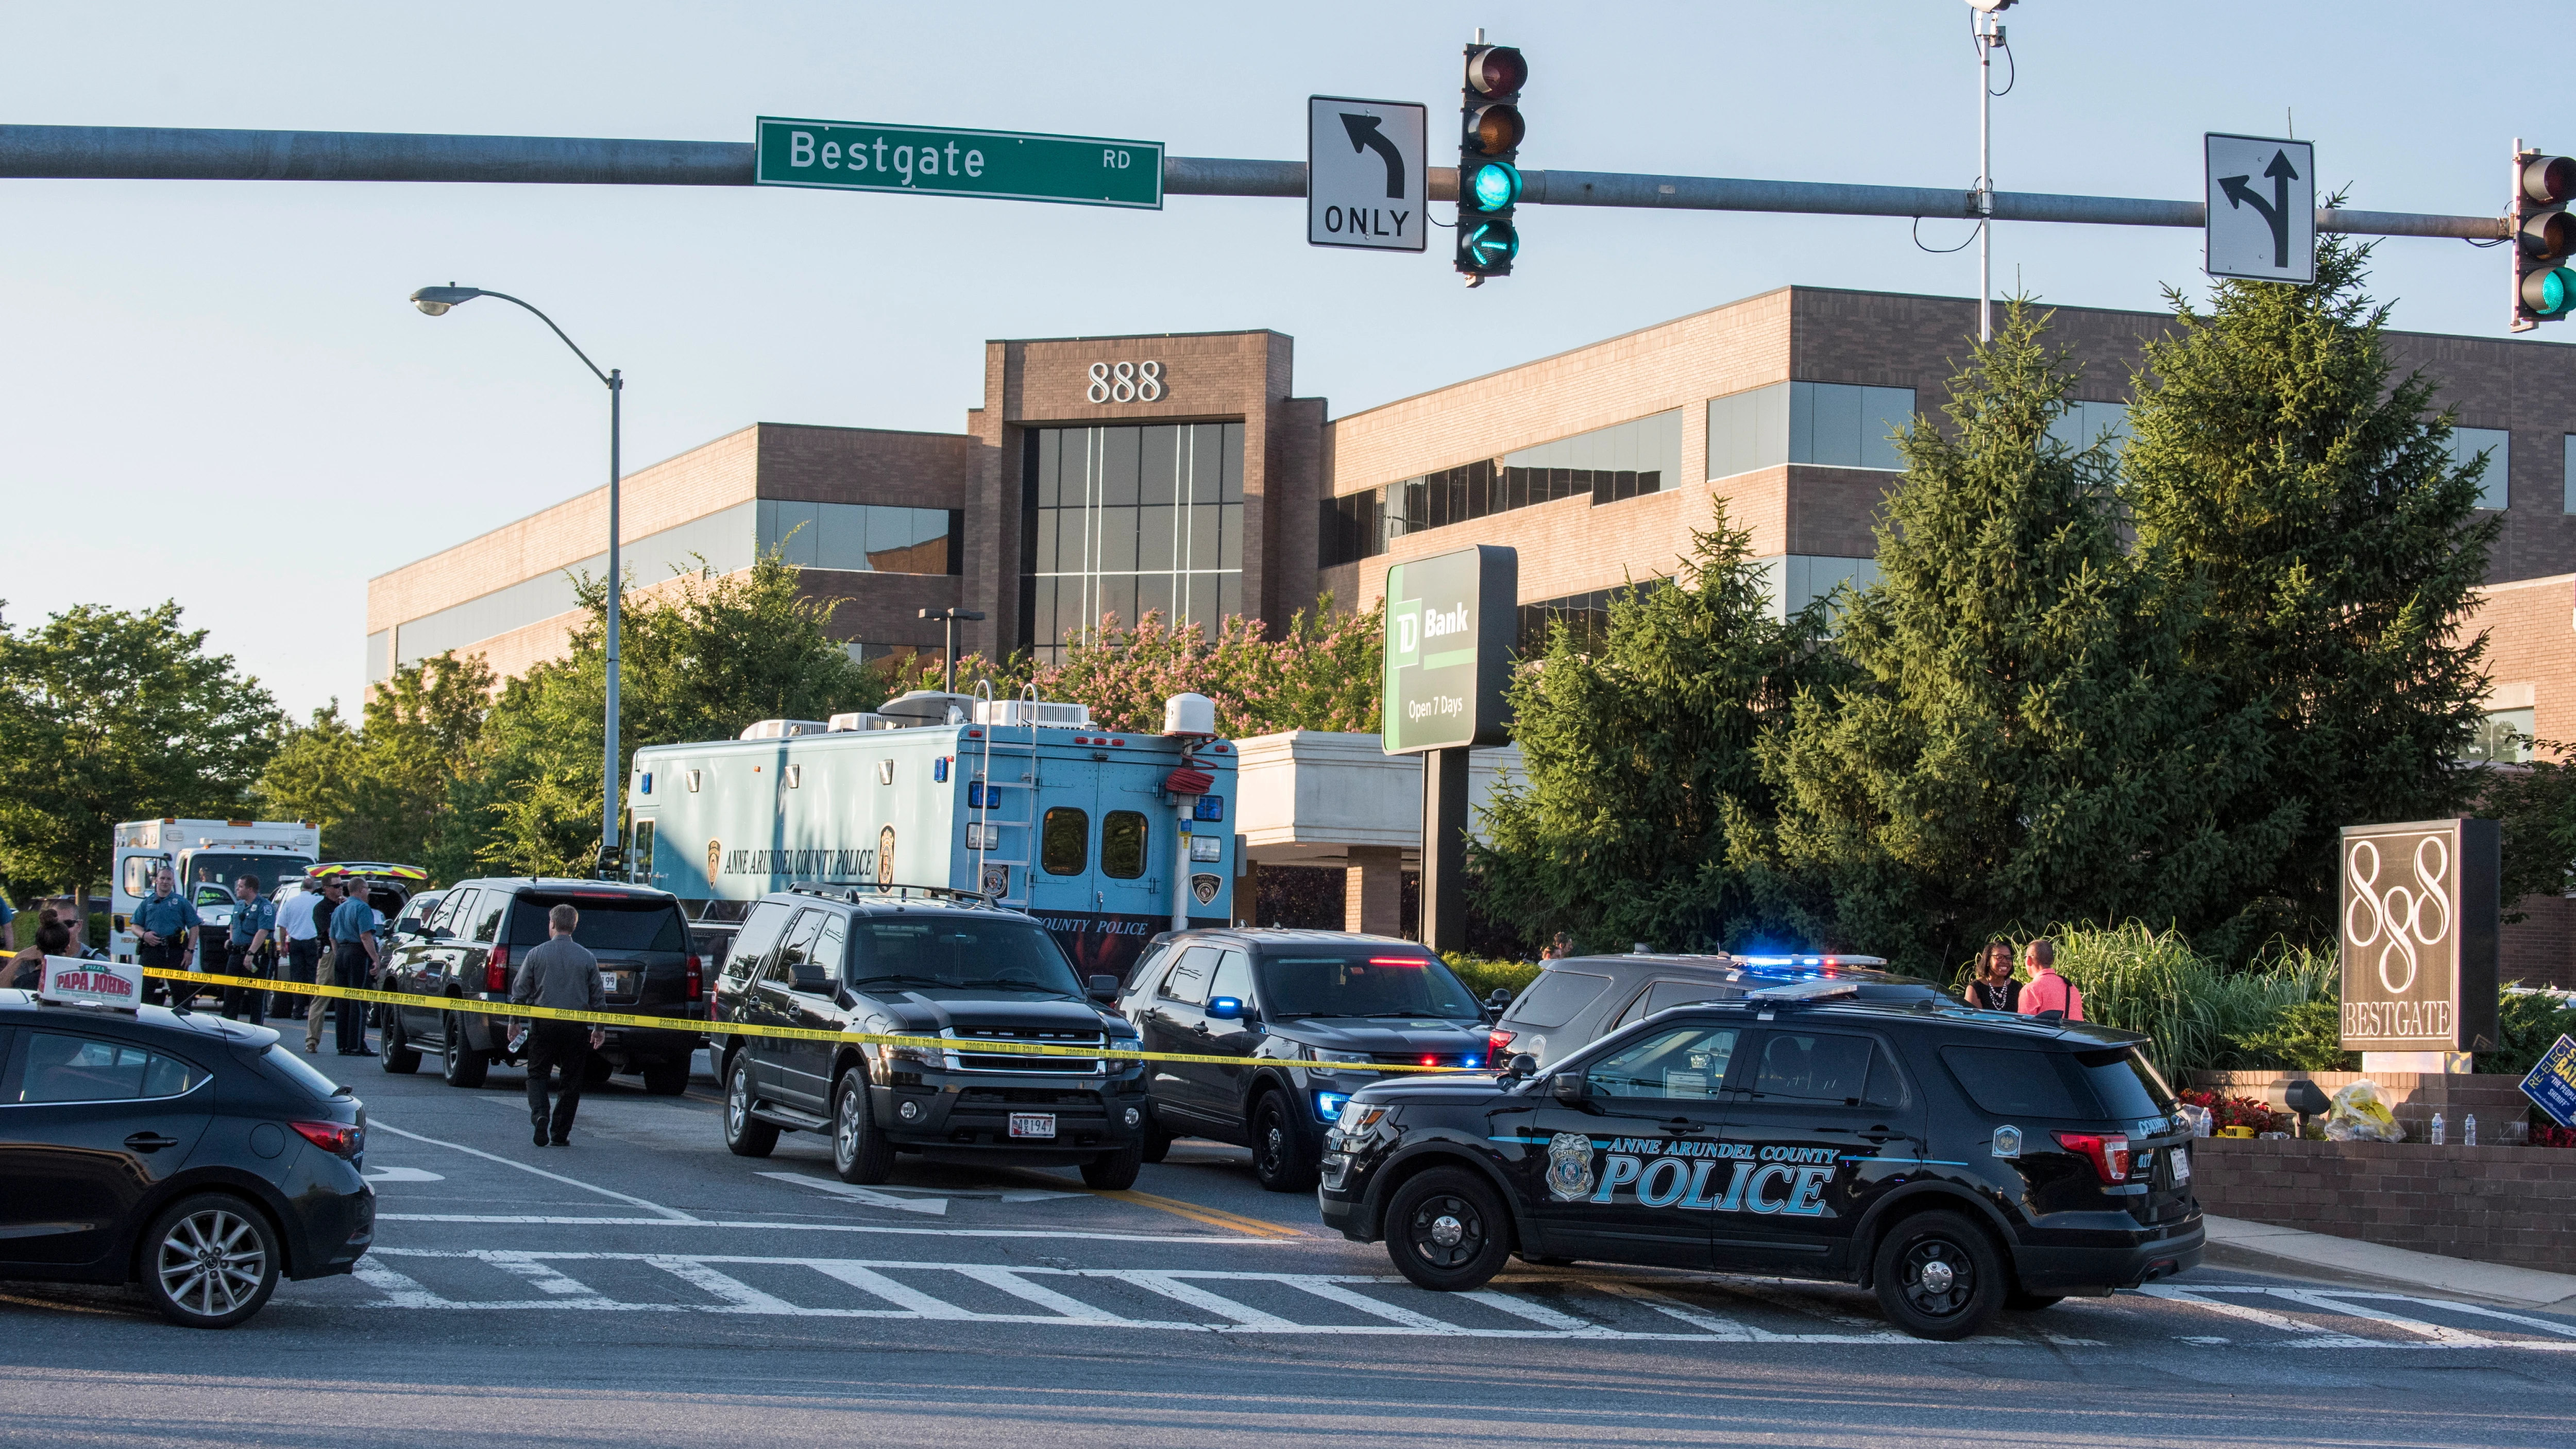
[1365, 177]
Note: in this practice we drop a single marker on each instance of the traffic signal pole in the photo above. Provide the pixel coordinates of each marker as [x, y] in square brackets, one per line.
[162, 153]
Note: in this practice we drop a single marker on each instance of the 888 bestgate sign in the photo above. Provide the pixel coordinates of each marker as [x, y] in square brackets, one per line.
[1790, 1181]
[2421, 913]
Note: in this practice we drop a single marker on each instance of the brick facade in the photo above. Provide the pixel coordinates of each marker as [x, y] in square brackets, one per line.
[2514, 1205]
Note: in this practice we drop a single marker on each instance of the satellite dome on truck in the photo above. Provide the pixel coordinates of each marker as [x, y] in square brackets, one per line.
[1106, 836]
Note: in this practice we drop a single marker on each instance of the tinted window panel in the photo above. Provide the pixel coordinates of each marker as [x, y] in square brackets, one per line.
[1064, 846]
[1687, 1062]
[1122, 844]
[2010, 1083]
[2127, 1083]
[1556, 997]
[605, 925]
[977, 955]
[1362, 986]
[83, 1069]
[1189, 978]
[1233, 977]
[299, 1071]
[1812, 1067]
[757, 935]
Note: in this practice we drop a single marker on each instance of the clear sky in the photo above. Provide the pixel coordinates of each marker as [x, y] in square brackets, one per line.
[214, 392]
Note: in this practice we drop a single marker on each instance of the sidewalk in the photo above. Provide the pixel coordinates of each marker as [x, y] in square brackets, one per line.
[2236, 1243]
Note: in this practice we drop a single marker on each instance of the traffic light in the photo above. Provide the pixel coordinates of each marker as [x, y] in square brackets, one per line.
[2543, 237]
[1489, 138]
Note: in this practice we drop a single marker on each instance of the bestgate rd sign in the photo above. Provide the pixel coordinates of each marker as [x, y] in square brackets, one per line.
[2420, 916]
[946, 161]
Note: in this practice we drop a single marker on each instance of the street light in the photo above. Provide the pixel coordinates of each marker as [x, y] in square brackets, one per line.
[437, 302]
[948, 678]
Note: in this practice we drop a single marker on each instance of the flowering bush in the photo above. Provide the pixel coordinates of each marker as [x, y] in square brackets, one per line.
[2545, 1134]
[2226, 1112]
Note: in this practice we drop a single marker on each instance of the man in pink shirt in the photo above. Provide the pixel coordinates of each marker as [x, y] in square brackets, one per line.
[2047, 990]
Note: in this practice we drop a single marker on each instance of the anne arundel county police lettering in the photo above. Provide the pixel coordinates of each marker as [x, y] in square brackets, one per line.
[1786, 1180]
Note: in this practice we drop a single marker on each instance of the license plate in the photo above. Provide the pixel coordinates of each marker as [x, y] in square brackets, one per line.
[621, 983]
[1033, 1124]
[2182, 1164]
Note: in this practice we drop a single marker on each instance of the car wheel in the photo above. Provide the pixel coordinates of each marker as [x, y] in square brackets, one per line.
[1115, 1171]
[744, 1134]
[859, 1151]
[209, 1261]
[399, 1056]
[1277, 1158]
[2020, 1302]
[460, 1064]
[667, 1079]
[1446, 1230]
[1939, 1276]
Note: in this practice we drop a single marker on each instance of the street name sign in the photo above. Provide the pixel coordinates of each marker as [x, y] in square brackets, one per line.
[946, 161]
[1367, 175]
[2262, 208]
[2421, 913]
[1452, 621]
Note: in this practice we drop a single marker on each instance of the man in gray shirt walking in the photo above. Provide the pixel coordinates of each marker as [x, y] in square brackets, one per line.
[561, 974]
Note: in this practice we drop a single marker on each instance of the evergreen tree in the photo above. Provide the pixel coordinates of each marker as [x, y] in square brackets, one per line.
[1639, 752]
[380, 792]
[2025, 741]
[2276, 467]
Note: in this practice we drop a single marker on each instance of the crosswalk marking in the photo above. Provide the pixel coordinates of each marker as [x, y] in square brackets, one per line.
[1214, 1301]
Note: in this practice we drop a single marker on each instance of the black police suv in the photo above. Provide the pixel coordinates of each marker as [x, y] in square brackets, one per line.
[920, 961]
[462, 952]
[192, 1156]
[1957, 1161]
[1308, 1016]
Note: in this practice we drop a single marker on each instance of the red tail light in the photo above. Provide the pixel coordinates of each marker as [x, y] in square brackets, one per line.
[338, 1139]
[1498, 1046]
[496, 971]
[694, 980]
[2107, 1151]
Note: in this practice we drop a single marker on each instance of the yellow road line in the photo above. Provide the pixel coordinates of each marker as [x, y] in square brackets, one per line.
[1196, 1212]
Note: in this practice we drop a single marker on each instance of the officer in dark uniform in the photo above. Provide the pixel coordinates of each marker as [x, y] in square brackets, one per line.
[163, 924]
[253, 919]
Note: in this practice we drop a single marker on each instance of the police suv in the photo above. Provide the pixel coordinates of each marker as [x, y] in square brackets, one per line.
[1957, 1161]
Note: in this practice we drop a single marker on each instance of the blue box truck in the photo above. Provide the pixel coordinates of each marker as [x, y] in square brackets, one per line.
[1105, 836]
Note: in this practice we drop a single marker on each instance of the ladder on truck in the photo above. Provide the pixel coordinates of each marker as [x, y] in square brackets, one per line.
[1005, 841]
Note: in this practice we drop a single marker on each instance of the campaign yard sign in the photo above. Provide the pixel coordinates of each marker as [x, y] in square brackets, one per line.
[2552, 1083]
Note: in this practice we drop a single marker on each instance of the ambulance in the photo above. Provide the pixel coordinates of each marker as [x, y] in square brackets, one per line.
[207, 856]
[1106, 836]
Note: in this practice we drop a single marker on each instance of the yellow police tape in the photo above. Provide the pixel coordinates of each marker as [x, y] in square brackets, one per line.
[979, 1046]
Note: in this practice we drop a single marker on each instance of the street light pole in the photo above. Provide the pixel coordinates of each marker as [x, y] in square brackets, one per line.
[1989, 33]
[948, 666]
[437, 301]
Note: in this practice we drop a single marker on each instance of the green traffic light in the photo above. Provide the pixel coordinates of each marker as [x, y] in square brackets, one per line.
[1496, 186]
[1492, 243]
[2548, 293]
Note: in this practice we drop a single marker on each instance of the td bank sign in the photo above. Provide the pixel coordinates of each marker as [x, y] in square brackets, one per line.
[1451, 623]
[2420, 916]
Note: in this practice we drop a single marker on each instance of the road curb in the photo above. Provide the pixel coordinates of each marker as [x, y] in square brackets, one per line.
[2271, 1244]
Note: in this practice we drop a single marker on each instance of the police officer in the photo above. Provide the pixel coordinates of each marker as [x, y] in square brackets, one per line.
[162, 927]
[353, 961]
[253, 919]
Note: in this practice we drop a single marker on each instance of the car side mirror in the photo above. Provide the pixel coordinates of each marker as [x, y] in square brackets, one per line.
[1105, 988]
[436, 933]
[1225, 1008]
[1522, 1064]
[1569, 1087]
[1500, 998]
[813, 980]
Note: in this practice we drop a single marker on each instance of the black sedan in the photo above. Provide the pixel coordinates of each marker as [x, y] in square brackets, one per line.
[187, 1155]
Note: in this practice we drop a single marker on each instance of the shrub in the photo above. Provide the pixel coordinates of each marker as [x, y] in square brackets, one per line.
[1481, 975]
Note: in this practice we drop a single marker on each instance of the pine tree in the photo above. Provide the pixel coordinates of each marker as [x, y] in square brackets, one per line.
[2276, 467]
[2025, 742]
[1639, 753]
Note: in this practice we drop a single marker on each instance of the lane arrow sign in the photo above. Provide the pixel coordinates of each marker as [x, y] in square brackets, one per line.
[2276, 215]
[1364, 132]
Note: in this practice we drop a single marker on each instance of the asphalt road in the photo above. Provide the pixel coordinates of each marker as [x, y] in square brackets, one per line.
[645, 1287]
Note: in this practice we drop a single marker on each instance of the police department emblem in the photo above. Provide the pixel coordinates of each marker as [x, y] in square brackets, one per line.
[1569, 1167]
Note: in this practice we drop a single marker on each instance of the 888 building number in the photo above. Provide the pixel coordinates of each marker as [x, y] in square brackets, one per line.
[1121, 382]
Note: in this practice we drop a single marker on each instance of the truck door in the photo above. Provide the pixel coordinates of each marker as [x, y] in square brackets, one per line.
[1064, 886]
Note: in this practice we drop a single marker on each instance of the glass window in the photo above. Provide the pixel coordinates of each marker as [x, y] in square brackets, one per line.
[1812, 1067]
[2503, 737]
[798, 948]
[1189, 979]
[2568, 475]
[2085, 423]
[299, 1071]
[1357, 985]
[1064, 842]
[1887, 1085]
[487, 924]
[830, 946]
[85, 1069]
[221, 870]
[456, 912]
[1687, 1062]
[138, 874]
[759, 932]
[2497, 445]
[2011, 1083]
[2127, 1083]
[1233, 977]
[1748, 431]
[1556, 997]
[1126, 520]
[982, 954]
[1841, 425]
[1122, 844]
[636, 923]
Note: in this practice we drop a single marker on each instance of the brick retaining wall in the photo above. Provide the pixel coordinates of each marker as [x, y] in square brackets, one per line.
[2513, 1205]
